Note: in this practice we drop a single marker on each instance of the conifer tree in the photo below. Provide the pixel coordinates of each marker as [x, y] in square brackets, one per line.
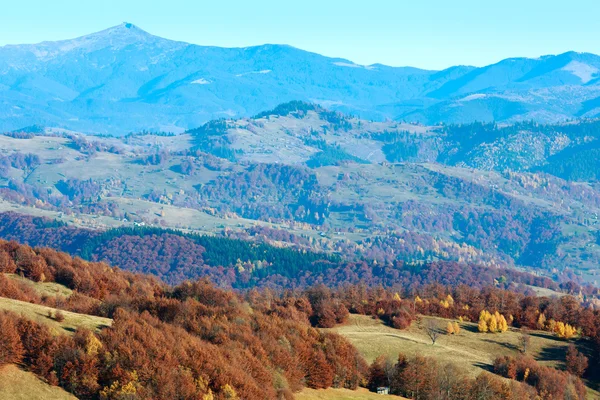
[502, 324]
[483, 327]
[541, 322]
[493, 325]
[456, 328]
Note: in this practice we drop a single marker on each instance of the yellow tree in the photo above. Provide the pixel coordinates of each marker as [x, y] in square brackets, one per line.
[456, 328]
[229, 393]
[569, 331]
[541, 322]
[483, 315]
[483, 326]
[502, 324]
[450, 328]
[560, 329]
[497, 315]
[493, 324]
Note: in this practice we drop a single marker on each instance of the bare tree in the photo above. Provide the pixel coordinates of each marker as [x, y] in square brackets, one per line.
[389, 368]
[433, 330]
[524, 340]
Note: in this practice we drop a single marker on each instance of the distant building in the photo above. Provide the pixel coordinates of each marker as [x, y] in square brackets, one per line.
[383, 390]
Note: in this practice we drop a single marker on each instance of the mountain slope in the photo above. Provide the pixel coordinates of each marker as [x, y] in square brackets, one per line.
[124, 79]
[16, 384]
[302, 176]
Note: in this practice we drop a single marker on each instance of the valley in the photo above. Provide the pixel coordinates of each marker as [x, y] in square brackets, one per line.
[333, 183]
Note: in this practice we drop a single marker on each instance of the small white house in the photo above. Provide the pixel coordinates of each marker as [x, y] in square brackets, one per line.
[383, 390]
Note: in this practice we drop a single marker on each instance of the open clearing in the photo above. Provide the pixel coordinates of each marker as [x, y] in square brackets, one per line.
[50, 289]
[39, 314]
[472, 351]
[16, 384]
[342, 394]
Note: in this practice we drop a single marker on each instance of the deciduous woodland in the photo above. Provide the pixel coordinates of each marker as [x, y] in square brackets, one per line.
[196, 341]
[190, 341]
[230, 261]
[460, 192]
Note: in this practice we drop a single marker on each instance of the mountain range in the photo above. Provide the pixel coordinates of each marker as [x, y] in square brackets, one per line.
[124, 79]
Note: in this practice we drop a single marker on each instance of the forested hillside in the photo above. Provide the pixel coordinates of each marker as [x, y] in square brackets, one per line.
[175, 256]
[196, 341]
[301, 176]
[166, 342]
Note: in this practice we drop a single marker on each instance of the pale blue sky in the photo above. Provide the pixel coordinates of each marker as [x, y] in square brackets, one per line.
[427, 34]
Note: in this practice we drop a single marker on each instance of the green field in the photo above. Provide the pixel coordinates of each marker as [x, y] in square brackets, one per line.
[471, 350]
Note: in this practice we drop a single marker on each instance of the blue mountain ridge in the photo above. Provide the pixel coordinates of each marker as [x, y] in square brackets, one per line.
[124, 79]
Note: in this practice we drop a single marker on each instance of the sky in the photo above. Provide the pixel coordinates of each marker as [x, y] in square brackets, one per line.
[431, 34]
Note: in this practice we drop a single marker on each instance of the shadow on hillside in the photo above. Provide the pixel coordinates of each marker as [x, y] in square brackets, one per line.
[486, 367]
[509, 346]
[552, 353]
[470, 328]
[44, 315]
[546, 336]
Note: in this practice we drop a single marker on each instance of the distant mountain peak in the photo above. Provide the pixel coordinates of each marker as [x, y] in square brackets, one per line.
[123, 29]
[124, 79]
[114, 38]
[120, 35]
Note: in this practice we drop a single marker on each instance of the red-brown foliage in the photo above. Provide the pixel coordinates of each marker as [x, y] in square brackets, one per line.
[59, 316]
[424, 378]
[549, 382]
[181, 342]
[11, 348]
[576, 362]
[184, 341]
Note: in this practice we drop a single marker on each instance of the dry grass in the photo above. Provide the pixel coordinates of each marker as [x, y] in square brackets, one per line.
[49, 289]
[470, 350]
[16, 384]
[342, 394]
[39, 314]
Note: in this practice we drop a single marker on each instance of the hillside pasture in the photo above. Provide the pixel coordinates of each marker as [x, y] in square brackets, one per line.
[39, 314]
[16, 384]
[342, 394]
[470, 350]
